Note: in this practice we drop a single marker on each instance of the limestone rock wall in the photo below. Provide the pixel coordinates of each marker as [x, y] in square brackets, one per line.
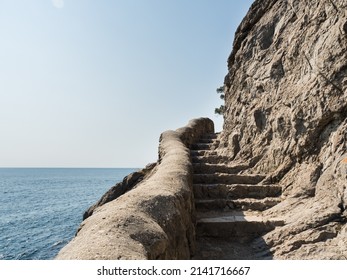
[286, 109]
[153, 220]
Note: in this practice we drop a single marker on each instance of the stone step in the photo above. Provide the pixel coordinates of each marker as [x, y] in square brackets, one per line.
[202, 153]
[235, 191]
[208, 168]
[210, 158]
[235, 225]
[202, 146]
[224, 178]
[236, 204]
[210, 136]
[209, 141]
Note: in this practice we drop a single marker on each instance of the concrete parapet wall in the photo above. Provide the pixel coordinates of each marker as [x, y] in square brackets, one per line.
[155, 220]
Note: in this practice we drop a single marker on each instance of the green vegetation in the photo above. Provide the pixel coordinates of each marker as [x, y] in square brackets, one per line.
[221, 109]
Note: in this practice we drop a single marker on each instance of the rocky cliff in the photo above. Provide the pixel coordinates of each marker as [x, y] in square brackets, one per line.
[286, 109]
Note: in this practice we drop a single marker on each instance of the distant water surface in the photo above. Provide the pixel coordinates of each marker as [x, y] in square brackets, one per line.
[41, 208]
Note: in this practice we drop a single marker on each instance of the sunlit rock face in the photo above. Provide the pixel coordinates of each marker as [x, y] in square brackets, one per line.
[286, 108]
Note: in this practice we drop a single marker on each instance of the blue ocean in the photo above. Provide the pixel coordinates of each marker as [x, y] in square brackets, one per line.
[41, 208]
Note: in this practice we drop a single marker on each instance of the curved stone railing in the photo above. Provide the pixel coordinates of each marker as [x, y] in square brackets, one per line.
[155, 220]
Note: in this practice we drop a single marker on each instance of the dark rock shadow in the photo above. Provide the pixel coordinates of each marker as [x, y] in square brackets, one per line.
[210, 248]
[232, 237]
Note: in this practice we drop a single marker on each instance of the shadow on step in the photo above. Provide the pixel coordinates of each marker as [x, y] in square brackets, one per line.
[235, 235]
[210, 248]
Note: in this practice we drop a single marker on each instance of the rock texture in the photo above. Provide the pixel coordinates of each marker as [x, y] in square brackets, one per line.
[286, 109]
[155, 219]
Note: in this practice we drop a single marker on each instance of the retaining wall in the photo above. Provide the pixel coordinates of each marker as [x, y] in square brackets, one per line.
[154, 220]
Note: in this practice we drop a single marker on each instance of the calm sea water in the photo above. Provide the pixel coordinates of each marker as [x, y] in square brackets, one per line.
[41, 208]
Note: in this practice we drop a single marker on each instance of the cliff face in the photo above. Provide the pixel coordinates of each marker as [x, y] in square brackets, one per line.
[286, 116]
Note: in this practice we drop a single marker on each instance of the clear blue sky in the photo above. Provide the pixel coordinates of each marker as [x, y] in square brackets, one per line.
[91, 83]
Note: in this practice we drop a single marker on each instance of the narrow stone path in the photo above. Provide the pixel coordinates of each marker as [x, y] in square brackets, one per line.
[229, 205]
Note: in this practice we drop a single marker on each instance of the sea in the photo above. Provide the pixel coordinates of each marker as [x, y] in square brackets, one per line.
[41, 208]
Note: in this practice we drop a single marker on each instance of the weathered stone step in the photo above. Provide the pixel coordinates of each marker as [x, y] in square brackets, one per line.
[224, 178]
[202, 146]
[236, 204]
[218, 213]
[202, 153]
[209, 141]
[235, 226]
[210, 158]
[208, 168]
[235, 191]
[210, 136]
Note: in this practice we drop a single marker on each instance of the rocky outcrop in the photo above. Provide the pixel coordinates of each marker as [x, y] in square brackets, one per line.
[286, 109]
[153, 220]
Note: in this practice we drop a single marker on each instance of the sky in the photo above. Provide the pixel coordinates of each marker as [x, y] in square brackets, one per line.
[91, 83]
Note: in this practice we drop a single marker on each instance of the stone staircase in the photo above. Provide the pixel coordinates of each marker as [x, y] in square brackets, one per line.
[229, 205]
